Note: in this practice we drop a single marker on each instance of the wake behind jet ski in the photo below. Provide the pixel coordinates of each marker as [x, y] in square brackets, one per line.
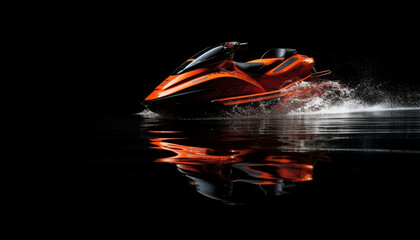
[211, 81]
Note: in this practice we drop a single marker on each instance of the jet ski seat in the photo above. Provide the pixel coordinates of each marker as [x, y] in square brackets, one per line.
[249, 67]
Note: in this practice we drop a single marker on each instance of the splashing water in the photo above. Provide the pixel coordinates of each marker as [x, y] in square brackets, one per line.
[146, 113]
[365, 97]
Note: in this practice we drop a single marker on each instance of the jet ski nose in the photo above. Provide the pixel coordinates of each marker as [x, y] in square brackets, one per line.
[151, 96]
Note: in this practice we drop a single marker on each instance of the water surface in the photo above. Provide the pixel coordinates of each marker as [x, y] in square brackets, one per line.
[293, 165]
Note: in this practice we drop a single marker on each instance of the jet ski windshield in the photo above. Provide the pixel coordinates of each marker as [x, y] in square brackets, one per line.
[203, 58]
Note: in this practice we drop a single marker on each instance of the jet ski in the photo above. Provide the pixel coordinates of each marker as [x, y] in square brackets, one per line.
[211, 81]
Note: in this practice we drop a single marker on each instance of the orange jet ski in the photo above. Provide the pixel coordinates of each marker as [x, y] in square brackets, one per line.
[211, 81]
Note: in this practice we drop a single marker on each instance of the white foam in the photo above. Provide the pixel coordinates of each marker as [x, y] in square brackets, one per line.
[146, 113]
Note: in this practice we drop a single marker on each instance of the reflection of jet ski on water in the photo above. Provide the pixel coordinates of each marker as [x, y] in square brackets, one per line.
[235, 175]
[211, 81]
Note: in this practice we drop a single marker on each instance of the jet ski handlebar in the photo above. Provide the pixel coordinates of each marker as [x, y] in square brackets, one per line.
[236, 45]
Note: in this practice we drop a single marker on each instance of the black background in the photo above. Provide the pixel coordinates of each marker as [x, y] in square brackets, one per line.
[107, 59]
[80, 61]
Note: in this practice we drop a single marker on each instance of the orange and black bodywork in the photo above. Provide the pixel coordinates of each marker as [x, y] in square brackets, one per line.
[211, 80]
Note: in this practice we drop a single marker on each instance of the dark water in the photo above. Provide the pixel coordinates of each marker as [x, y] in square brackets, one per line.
[294, 167]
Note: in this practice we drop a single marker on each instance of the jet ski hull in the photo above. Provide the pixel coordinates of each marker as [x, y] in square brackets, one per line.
[187, 104]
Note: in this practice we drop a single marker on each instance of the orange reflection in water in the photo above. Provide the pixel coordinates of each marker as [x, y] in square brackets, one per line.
[214, 171]
[194, 155]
